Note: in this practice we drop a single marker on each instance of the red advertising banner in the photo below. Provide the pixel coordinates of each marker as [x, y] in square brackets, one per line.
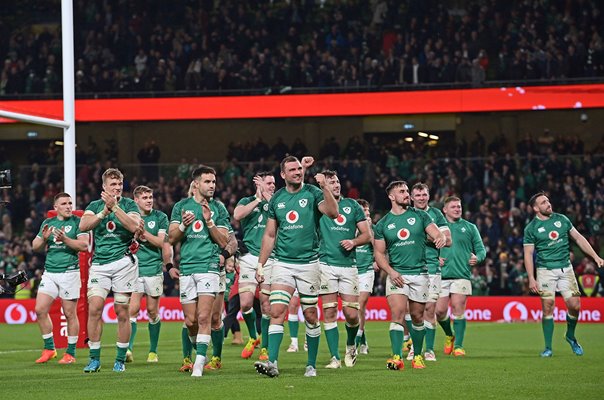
[518, 98]
[480, 309]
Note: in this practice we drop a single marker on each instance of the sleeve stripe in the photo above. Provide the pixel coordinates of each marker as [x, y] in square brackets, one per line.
[528, 244]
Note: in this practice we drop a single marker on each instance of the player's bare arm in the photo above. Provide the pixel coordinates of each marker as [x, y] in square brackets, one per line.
[329, 206]
[437, 236]
[363, 237]
[529, 249]
[176, 231]
[586, 247]
[379, 252]
[268, 243]
[39, 243]
[78, 244]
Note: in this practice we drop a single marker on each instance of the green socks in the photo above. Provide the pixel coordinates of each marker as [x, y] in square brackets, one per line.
[134, 328]
[187, 346]
[333, 338]
[264, 324]
[571, 324]
[417, 337]
[217, 340]
[313, 336]
[49, 341]
[446, 325]
[154, 328]
[275, 337]
[430, 335]
[547, 323]
[351, 333]
[250, 321]
[459, 324]
[396, 338]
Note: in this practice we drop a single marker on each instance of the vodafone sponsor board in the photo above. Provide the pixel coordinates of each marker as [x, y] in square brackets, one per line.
[480, 309]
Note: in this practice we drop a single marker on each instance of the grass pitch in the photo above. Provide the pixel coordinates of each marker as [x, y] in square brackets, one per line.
[502, 362]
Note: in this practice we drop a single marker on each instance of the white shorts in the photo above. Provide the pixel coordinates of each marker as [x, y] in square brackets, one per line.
[342, 280]
[65, 285]
[560, 280]
[457, 286]
[192, 286]
[304, 277]
[150, 285]
[247, 270]
[416, 287]
[366, 280]
[119, 276]
[435, 287]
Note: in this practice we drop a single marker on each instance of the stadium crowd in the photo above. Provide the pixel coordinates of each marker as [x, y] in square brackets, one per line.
[138, 46]
[494, 185]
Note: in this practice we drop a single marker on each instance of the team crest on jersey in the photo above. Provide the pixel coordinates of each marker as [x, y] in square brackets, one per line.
[265, 207]
[411, 221]
[303, 202]
[558, 224]
[340, 220]
[347, 210]
[391, 226]
[463, 230]
[292, 217]
[541, 230]
[260, 218]
[403, 234]
[553, 235]
[68, 229]
[197, 226]
[110, 226]
[151, 224]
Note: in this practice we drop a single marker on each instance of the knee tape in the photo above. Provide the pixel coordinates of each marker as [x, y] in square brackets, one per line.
[98, 292]
[247, 289]
[308, 302]
[351, 304]
[120, 298]
[280, 297]
[330, 305]
[313, 330]
[266, 292]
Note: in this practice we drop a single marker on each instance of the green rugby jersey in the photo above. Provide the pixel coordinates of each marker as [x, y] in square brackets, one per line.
[551, 240]
[405, 237]
[111, 239]
[333, 231]
[198, 252]
[432, 253]
[364, 256]
[150, 260]
[253, 224]
[465, 241]
[59, 257]
[230, 280]
[297, 215]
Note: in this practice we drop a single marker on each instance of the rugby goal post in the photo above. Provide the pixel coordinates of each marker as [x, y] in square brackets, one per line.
[69, 171]
[68, 121]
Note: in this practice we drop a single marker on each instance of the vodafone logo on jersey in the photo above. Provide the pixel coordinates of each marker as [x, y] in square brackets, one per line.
[292, 216]
[403, 234]
[553, 235]
[340, 220]
[197, 226]
[110, 226]
[515, 311]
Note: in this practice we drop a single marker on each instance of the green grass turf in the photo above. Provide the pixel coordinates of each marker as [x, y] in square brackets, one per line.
[502, 362]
